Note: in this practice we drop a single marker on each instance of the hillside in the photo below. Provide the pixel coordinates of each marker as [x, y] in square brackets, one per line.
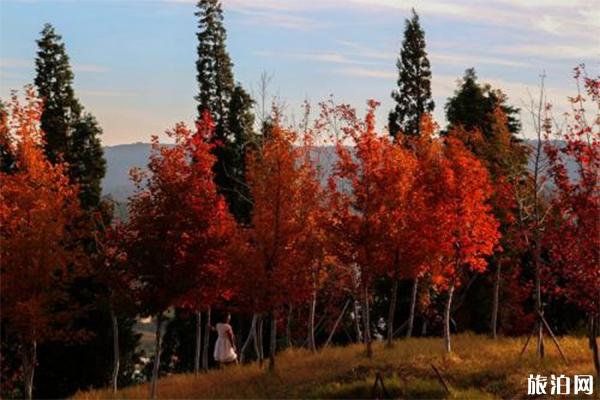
[121, 158]
[480, 368]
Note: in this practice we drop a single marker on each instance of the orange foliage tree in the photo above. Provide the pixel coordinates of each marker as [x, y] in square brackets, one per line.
[573, 235]
[179, 228]
[276, 250]
[460, 219]
[372, 195]
[39, 219]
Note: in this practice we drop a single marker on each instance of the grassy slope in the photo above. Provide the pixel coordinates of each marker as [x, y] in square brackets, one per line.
[478, 368]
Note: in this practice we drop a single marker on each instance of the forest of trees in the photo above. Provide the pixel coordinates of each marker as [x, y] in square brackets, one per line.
[418, 230]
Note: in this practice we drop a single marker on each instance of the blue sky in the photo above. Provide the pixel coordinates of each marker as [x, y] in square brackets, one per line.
[134, 61]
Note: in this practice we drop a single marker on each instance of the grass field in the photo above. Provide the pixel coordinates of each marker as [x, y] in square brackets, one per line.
[479, 368]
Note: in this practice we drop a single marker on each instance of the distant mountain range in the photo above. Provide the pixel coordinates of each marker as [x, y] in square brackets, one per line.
[121, 159]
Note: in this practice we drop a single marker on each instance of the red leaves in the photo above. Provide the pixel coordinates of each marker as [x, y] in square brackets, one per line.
[280, 248]
[179, 224]
[40, 217]
[574, 233]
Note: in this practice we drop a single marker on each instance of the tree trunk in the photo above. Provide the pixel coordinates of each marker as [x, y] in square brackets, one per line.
[447, 319]
[496, 303]
[29, 355]
[206, 342]
[413, 305]
[198, 342]
[311, 322]
[288, 328]
[357, 322]
[251, 337]
[259, 341]
[367, 323]
[593, 330]
[391, 314]
[116, 352]
[424, 328]
[157, 350]
[337, 322]
[539, 309]
[273, 341]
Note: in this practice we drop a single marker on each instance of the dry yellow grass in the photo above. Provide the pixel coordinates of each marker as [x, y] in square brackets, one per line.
[478, 368]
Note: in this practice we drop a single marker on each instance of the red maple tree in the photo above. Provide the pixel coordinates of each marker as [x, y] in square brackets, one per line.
[179, 228]
[573, 235]
[40, 218]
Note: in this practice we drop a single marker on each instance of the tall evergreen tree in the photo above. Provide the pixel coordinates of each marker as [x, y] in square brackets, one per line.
[413, 95]
[241, 126]
[473, 104]
[70, 134]
[229, 105]
[214, 67]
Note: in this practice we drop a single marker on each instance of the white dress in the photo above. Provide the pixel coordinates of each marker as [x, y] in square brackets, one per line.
[223, 350]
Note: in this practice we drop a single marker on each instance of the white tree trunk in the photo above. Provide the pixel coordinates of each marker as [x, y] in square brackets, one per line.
[206, 342]
[392, 313]
[251, 337]
[357, 322]
[198, 346]
[367, 323]
[413, 305]
[311, 322]
[273, 344]
[496, 303]
[447, 319]
[158, 350]
[116, 352]
[29, 356]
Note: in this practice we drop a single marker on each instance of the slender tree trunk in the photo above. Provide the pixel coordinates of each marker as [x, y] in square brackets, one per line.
[392, 313]
[496, 300]
[447, 319]
[259, 341]
[251, 337]
[116, 352]
[538, 300]
[311, 322]
[413, 306]
[357, 322]
[288, 328]
[424, 328]
[337, 322]
[273, 341]
[29, 359]
[367, 323]
[206, 342]
[593, 330]
[198, 342]
[157, 350]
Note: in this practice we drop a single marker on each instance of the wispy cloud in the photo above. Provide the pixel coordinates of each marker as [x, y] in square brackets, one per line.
[252, 16]
[325, 57]
[367, 73]
[23, 63]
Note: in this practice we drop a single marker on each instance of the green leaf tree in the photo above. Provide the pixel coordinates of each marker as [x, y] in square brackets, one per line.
[413, 95]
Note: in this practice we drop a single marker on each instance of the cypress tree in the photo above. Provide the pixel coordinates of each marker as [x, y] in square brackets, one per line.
[214, 67]
[413, 95]
[70, 136]
[473, 104]
[241, 126]
[228, 104]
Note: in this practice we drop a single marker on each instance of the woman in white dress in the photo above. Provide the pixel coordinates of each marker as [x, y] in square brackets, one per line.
[225, 345]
